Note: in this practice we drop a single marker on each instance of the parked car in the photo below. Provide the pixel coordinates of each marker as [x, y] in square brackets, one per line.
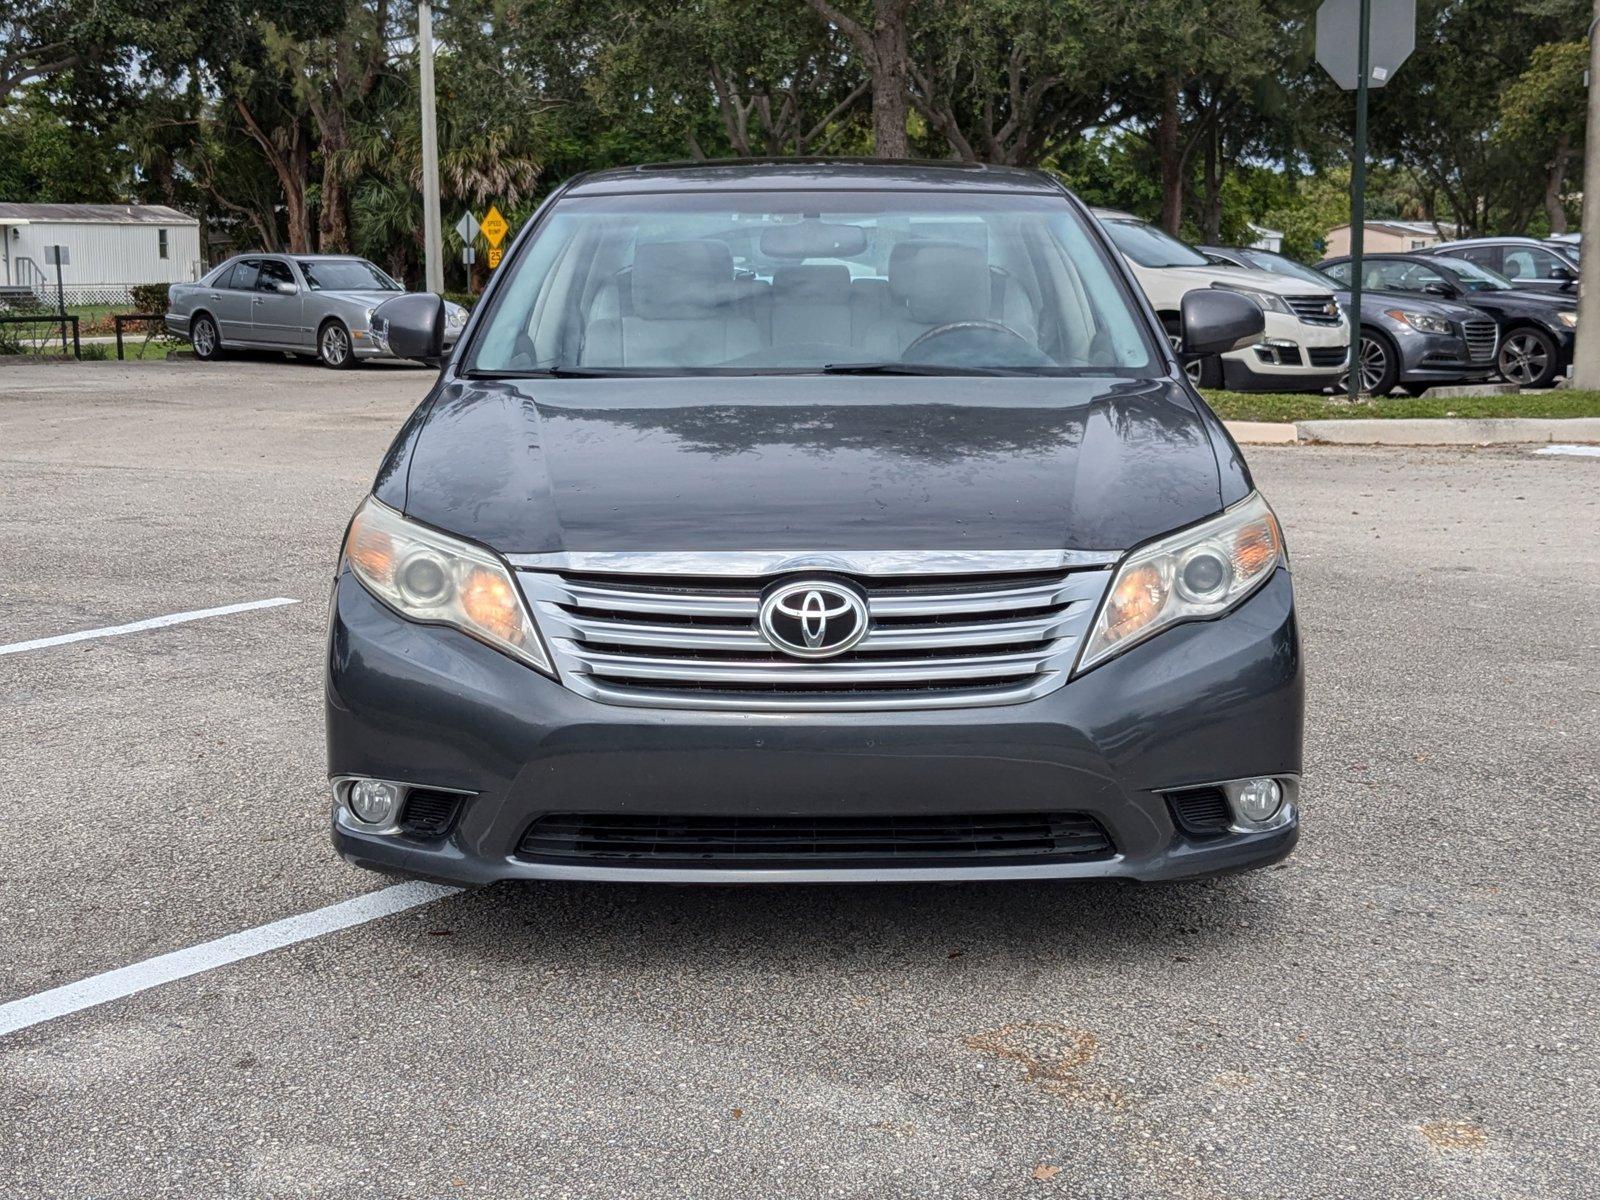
[890, 545]
[1307, 342]
[308, 304]
[1536, 328]
[1545, 266]
[1407, 340]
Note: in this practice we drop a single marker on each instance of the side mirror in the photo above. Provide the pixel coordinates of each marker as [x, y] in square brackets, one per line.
[286, 289]
[411, 326]
[1216, 321]
[1439, 289]
[1563, 273]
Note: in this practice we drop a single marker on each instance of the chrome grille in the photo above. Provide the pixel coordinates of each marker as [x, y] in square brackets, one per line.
[934, 640]
[1315, 310]
[1482, 338]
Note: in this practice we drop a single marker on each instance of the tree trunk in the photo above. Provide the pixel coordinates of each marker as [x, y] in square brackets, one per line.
[1556, 175]
[1170, 155]
[1211, 218]
[891, 52]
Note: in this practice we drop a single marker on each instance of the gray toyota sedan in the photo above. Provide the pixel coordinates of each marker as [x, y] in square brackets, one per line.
[308, 304]
[803, 521]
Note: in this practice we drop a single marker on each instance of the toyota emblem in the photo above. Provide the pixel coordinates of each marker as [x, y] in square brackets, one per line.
[813, 618]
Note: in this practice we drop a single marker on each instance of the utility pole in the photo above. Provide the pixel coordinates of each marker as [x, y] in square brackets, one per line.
[432, 238]
[1586, 355]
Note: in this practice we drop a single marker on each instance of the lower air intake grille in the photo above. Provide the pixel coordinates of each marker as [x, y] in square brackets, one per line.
[655, 841]
[428, 813]
[1201, 812]
[1328, 356]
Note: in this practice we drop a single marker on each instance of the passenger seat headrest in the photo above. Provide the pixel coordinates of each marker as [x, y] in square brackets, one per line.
[947, 283]
[817, 283]
[681, 279]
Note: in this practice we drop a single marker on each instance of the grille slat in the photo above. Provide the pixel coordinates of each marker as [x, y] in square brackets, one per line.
[1482, 338]
[933, 640]
[1313, 310]
[657, 840]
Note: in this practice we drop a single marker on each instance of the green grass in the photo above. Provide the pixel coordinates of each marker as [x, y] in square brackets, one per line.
[1275, 406]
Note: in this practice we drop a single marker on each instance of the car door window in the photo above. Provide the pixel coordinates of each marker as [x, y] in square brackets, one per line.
[245, 275]
[1339, 272]
[1484, 256]
[1529, 262]
[272, 274]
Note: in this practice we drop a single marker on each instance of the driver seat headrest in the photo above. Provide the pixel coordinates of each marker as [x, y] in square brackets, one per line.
[946, 283]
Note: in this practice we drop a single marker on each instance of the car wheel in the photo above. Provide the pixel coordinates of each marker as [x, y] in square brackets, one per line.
[1205, 372]
[333, 346]
[1380, 365]
[1529, 358]
[204, 338]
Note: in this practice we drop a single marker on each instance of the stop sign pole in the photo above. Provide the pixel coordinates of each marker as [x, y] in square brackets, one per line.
[1358, 193]
[1344, 48]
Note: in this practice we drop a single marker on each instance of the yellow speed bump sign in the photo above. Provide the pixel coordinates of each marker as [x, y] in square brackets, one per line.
[495, 227]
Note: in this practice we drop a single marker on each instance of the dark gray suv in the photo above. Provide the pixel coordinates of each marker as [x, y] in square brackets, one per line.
[803, 521]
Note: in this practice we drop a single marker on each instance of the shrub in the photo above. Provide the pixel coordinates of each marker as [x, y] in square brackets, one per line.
[462, 299]
[150, 297]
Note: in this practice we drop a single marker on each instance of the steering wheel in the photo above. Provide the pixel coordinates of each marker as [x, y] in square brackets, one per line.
[950, 327]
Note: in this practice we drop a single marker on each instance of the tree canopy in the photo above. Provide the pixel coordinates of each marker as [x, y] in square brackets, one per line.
[295, 124]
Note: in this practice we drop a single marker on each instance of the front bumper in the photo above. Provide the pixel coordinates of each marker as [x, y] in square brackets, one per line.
[1200, 703]
[1437, 358]
[1292, 356]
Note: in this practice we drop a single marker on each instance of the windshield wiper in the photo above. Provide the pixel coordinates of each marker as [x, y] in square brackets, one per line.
[905, 368]
[546, 373]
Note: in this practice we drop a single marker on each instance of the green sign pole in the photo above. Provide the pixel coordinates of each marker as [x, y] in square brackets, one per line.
[1358, 193]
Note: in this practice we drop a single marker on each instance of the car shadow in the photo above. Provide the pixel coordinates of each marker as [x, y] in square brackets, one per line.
[655, 927]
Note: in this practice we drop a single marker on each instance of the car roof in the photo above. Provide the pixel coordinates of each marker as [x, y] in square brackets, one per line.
[1516, 239]
[811, 174]
[1116, 214]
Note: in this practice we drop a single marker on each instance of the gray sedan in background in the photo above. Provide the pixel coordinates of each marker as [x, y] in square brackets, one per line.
[1407, 341]
[317, 304]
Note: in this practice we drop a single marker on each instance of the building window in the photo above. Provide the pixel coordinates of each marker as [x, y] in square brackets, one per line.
[161, 242]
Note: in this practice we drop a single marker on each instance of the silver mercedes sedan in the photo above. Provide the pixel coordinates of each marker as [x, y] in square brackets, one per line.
[317, 304]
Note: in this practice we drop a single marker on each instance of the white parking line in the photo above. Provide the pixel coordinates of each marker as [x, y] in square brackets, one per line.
[152, 972]
[137, 626]
[1577, 451]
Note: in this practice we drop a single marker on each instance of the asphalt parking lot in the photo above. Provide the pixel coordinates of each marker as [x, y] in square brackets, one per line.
[1405, 1008]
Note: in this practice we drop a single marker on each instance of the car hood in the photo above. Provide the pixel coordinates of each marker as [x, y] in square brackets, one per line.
[1375, 303]
[808, 463]
[1248, 277]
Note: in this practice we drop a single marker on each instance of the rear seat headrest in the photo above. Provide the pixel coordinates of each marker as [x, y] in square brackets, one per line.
[681, 279]
[944, 283]
[815, 283]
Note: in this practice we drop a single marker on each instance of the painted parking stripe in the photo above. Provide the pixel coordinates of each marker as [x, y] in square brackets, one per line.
[152, 972]
[198, 614]
[1577, 451]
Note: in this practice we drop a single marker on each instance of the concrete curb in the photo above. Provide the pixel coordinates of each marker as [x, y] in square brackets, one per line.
[1450, 431]
[1419, 431]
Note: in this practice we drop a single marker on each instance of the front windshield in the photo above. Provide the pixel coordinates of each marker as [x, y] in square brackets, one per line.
[1267, 260]
[751, 282]
[345, 275]
[1149, 247]
[1479, 279]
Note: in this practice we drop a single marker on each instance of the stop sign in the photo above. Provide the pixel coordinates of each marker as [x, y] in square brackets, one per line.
[1393, 38]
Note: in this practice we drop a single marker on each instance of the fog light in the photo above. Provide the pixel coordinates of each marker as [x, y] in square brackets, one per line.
[373, 801]
[1259, 799]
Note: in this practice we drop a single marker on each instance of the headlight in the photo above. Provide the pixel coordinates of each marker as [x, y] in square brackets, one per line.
[455, 316]
[429, 576]
[1569, 319]
[1197, 573]
[1268, 301]
[370, 311]
[1421, 322]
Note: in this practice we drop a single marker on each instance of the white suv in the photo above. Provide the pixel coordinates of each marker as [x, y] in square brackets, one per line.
[1307, 339]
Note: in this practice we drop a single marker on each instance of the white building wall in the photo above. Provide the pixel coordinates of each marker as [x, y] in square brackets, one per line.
[106, 253]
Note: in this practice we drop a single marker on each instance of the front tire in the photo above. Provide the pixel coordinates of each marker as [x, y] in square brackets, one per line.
[1380, 365]
[205, 339]
[333, 346]
[1529, 358]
